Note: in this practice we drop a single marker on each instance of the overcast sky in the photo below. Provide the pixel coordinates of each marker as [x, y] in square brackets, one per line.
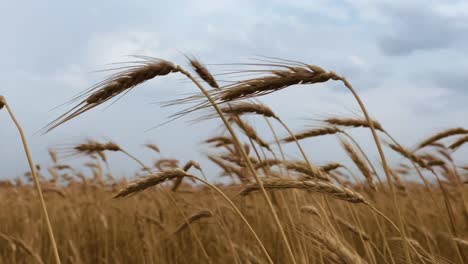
[409, 61]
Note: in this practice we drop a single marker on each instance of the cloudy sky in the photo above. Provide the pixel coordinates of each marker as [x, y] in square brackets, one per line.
[408, 60]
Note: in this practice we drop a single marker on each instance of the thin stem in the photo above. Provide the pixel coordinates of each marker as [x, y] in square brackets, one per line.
[309, 164]
[36, 182]
[222, 221]
[451, 218]
[296, 203]
[205, 253]
[424, 180]
[246, 158]
[234, 207]
[384, 164]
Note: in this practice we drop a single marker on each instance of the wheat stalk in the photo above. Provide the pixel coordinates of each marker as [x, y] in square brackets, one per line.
[3, 103]
[158, 178]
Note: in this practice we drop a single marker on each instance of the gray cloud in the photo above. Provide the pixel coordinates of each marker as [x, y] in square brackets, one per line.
[421, 27]
[47, 55]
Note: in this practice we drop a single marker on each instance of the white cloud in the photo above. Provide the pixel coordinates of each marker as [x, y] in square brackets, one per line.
[453, 10]
[112, 46]
[411, 93]
[358, 61]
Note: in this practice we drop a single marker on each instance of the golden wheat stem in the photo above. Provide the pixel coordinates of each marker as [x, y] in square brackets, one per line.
[222, 221]
[205, 253]
[281, 195]
[244, 155]
[296, 203]
[384, 164]
[36, 181]
[382, 233]
[218, 191]
[426, 184]
[448, 207]
[360, 233]
[319, 173]
[234, 207]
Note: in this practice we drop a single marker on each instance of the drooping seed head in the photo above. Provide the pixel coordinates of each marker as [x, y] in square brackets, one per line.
[191, 164]
[2, 102]
[441, 135]
[249, 131]
[459, 142]
[281, 76]
[248, 108]
[91, 147]
[313, 133]
[408, 154]
[203, 72]
[352, 122]
[150, 180]
[220, 139]
[327, 188]
[153, 147]
[360, 164]
[279, 79]
[114, 86]
[330, 166]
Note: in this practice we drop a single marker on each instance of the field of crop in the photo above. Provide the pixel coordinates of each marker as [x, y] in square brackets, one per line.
[273, 209]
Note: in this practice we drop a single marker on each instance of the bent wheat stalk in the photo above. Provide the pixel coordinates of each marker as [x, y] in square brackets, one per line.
[148, 69]
[3, 103]
[246, 158]
[160, 177]
[385, 166]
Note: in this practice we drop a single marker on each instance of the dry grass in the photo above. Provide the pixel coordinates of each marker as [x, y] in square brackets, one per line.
[274, 209]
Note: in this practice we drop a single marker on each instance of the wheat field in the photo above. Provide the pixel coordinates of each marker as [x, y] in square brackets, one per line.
[271, 209]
